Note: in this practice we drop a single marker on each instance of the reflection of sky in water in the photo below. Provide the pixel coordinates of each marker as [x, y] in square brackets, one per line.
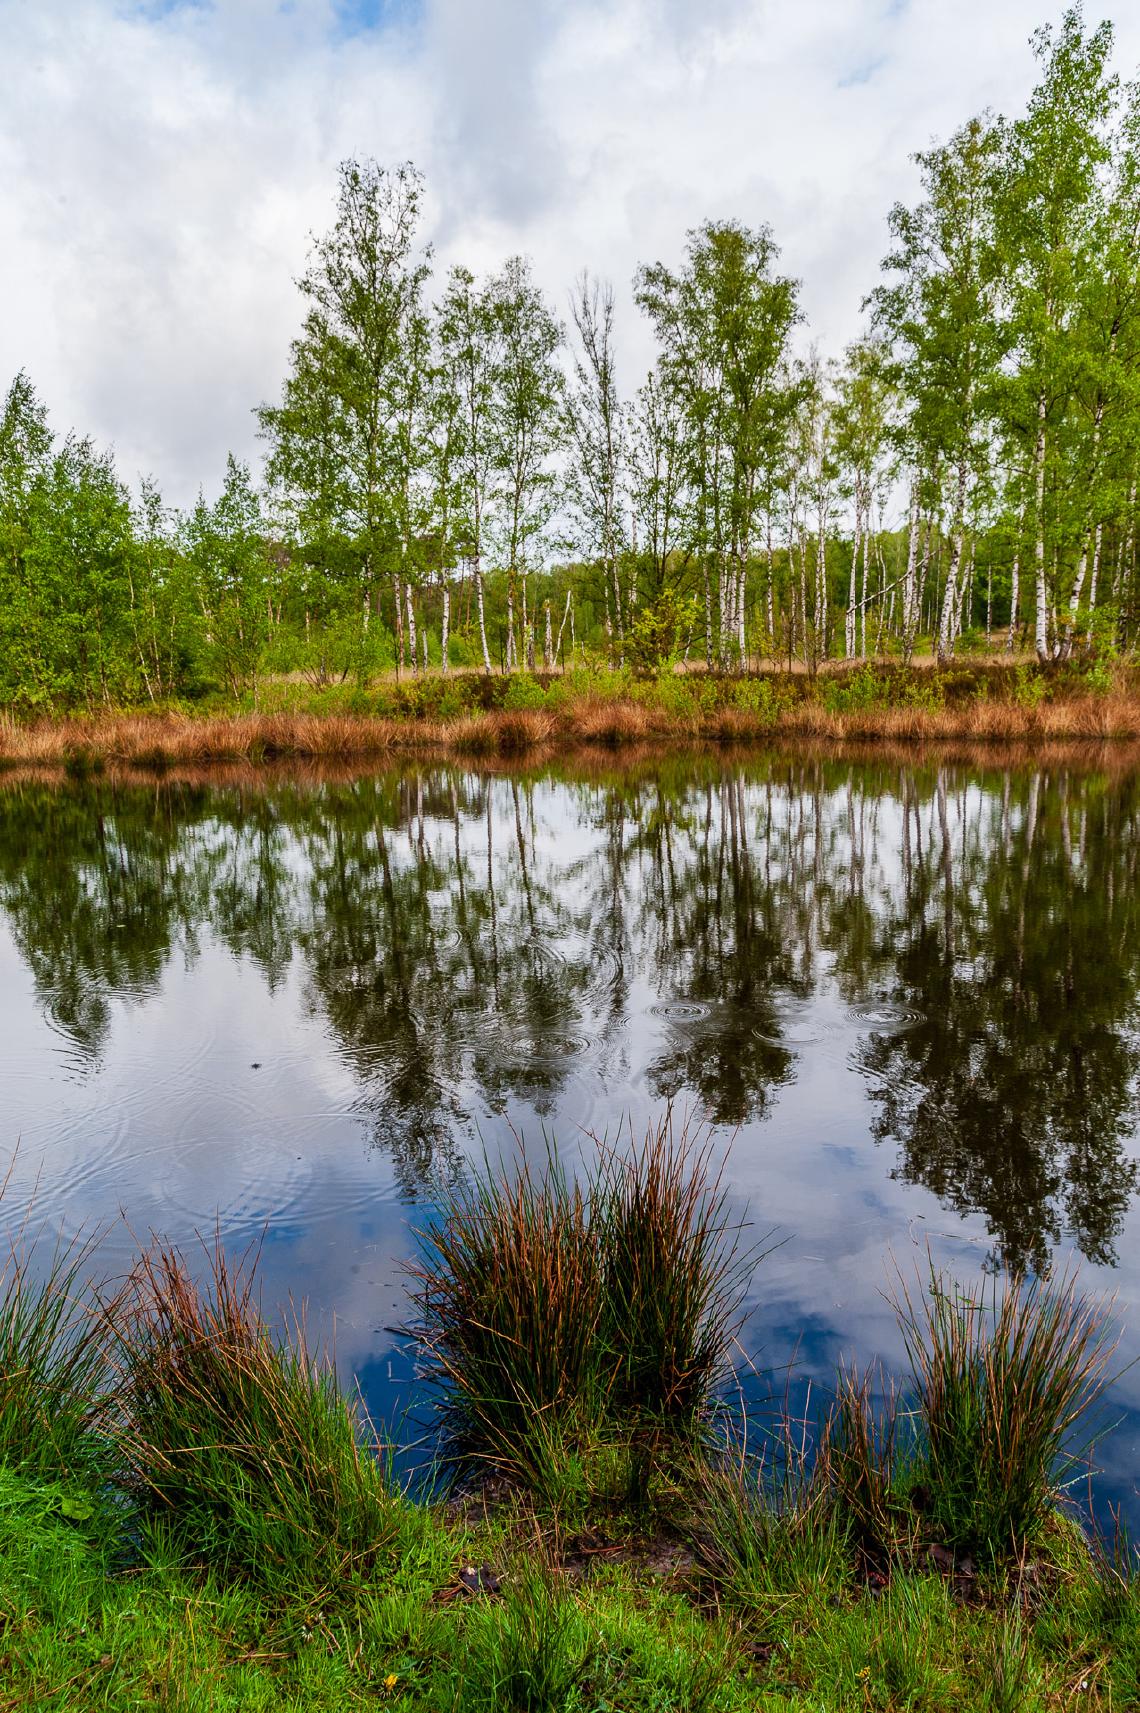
[291, 1068]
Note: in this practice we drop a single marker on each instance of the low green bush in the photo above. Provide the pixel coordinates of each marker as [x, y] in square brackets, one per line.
[523, 693]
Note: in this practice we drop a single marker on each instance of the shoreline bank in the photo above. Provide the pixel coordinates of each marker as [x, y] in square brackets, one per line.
[732, 714]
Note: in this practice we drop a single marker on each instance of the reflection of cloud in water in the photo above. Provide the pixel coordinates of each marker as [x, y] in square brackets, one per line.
[913, 1000]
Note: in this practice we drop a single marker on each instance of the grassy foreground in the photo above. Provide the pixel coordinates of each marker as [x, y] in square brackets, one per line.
[470, 714]
[192, 1514]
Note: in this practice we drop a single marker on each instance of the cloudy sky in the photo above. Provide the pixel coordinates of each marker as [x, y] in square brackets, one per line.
[162, 163]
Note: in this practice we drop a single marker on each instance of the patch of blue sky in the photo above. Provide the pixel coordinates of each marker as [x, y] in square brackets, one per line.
[157, 9]
[370, 17]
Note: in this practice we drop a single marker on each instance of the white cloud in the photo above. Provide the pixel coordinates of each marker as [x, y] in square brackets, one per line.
[161, 165]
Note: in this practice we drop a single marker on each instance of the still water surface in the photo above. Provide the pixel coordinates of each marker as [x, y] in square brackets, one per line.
[906, 998]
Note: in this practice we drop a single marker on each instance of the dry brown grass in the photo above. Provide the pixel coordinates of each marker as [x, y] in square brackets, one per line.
[611, 721]
[164, 740]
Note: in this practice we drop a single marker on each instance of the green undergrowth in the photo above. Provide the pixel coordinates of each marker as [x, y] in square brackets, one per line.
[693, 698]
[697, 696]
[554, 1625]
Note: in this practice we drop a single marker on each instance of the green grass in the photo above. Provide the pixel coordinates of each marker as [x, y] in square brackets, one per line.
[1003, 1378]
[77, 1633]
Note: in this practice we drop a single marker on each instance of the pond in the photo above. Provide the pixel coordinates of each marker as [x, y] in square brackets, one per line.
[905, 997]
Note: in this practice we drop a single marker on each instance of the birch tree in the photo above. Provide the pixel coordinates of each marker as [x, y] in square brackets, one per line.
[940, 313]
[1048, 225]
[723, 323]
[659, 467]
[362, 290]
[596, 434]
[468, 339]
[526, 429]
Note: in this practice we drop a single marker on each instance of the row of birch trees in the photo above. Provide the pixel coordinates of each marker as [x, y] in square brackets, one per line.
[456, 470]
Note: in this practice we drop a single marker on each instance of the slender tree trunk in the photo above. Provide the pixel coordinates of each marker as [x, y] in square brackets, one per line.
[613, 567]
[708, 617]
[946, 627]
[1041, 598]
[548, 640]
[400, 659]
[741, 589]
[1095, 566]
[444, 633]
[910, 590]
[820, 610]
[565, 615]
[477, 579]
[1082, 568]
[1015, 583]
[863, 602]
[771, 594]
[852, 592]
[411, 624]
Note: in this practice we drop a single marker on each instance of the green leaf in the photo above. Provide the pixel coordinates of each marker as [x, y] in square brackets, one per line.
[78, 1510]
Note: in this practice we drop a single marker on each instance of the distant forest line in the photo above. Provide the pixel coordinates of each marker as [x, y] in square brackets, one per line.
[455, 478]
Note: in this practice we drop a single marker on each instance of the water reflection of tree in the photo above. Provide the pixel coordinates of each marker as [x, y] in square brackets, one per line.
[462, 937]
[1017, 944]
[431, 959]
[98, 888]
[715, 936]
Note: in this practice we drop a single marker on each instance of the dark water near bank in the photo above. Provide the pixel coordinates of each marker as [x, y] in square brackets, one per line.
[908, 997]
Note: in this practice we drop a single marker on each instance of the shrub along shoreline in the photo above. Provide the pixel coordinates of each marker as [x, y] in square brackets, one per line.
[469, 714]
[193, 1514]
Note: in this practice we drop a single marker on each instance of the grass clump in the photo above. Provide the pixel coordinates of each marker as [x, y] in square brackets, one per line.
[672, 1279]
[764, 1550]
[1002, 1380]
[528, 1653]
[56, 1392]
[242, 1448]
[509, 1295]
[864, 1465]
[562, 1320]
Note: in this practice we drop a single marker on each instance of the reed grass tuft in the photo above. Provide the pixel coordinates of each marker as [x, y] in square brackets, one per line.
[557, 1316]
[864, 1456]
[241, 1446]
[1003, 1379]
[56, 1391]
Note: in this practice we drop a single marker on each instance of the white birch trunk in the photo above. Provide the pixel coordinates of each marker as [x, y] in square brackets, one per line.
[477, 573]
[852, 593]
[950, 598]
[565, 615]
[910, 585]
[1095, 566]
[411, 624]
[771, 595]
[1015, 584]
[445, 627]
[863, 602]
[1041, 609]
